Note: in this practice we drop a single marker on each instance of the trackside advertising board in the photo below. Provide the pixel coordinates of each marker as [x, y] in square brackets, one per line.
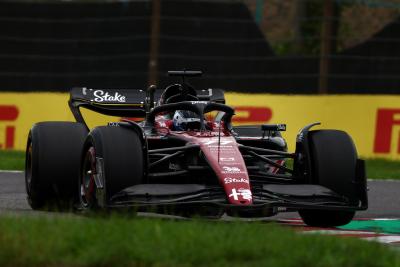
[372, 121]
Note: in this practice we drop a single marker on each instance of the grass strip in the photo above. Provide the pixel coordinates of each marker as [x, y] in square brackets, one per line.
[376, 168]
[56, 241]
[12, 160]
[383, 169]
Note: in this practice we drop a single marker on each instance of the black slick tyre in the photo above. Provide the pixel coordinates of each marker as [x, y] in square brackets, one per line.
[326, 218]
[52, 164]
[115, 157]
[334, 160]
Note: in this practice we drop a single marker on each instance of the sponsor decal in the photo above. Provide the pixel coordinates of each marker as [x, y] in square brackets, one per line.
[386, 121]
[8, 114]
[244, 193]
[231, 169]
[252, 114]
[221, 143]
[229, 180]
[227, 159]
[198, 102]
[377, 137]
[102, 96]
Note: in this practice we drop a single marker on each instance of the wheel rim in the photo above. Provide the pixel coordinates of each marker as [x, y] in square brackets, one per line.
[87, 183]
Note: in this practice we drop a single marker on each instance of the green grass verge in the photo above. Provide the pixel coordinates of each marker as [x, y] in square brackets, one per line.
[39, 241]
[383, 169]
[12, 160]
[376, 168]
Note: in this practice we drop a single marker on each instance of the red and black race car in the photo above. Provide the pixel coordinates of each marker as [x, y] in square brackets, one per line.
[184, 157]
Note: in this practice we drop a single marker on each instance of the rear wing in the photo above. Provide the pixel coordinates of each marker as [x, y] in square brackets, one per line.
[112, 102]
[124, 102]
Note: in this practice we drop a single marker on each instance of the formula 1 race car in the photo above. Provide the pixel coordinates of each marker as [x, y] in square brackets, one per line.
[181, 155]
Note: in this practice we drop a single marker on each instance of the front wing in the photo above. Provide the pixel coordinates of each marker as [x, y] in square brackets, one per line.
[272, 197]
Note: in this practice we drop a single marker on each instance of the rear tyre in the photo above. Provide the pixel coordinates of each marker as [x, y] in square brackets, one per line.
[114, 156]
[334, 159]
[52, 164]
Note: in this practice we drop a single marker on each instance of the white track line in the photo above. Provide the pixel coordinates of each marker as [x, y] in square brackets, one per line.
[10, 171]
[384, 180]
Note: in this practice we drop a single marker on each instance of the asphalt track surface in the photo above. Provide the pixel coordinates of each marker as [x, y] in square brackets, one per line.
[384, 198]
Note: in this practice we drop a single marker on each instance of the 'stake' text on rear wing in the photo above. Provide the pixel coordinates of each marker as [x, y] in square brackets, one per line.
[123, 102]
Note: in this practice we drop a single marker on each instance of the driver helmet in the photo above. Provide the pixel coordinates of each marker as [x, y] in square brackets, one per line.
[184, 120]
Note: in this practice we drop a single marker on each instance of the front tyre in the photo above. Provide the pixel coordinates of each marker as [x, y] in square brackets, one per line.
[334, 162]
[326, 218]
[112, 160]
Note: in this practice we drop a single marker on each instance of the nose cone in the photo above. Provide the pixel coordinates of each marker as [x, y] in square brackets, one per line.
[227, 162]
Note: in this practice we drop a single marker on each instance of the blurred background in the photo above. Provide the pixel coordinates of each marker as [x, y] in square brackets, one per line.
[279, 61]
[274, 46]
